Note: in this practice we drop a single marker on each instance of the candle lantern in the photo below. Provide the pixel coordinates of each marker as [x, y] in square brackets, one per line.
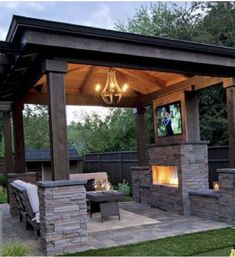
[216, 186]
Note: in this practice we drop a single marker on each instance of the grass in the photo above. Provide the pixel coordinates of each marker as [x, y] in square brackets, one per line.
[220, 252]
[15, 248]
[3, 197]
[183, 245]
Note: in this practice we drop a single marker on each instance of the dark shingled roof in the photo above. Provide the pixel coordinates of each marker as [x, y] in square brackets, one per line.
[45, 155]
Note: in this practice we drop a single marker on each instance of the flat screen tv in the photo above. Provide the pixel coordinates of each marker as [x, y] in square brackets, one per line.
[169, 119]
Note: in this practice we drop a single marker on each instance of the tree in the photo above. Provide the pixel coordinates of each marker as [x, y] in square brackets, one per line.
[114, 132]
[205, 22]
[36, 127]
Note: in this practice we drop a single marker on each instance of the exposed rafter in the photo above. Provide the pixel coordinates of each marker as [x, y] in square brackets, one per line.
[143, 76]
[5, 106]
[197, 82]
[90, 74]
[6, 47]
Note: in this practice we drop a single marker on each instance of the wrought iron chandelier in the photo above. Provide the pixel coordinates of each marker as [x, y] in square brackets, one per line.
[111, 93]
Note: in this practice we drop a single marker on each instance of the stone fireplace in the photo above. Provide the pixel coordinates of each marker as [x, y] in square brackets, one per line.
[174, 169]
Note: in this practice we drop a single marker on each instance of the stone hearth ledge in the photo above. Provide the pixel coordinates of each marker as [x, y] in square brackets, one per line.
[205, 192]
[61, 183]
[226, 170]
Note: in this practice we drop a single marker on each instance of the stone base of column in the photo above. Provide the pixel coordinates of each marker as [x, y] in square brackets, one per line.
[226, 195]
[139, 175]
[30, 177]
[63, 216]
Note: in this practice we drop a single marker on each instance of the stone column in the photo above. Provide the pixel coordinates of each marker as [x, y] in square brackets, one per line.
[57, 118]
[141, 138]
[27, 177]
[230, 93]
[63, 216]
[140, 175]
[227, 195]
[19, 145]
[7, 132]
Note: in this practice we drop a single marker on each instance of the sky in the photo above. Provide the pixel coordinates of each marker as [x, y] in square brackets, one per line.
[102, 14]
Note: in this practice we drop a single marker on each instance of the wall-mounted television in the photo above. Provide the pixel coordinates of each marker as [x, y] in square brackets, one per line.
[169, 119]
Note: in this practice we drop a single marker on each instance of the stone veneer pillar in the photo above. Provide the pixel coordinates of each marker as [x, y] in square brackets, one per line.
[227, 195]
[63, 216]
[140, 175]
[27, 177]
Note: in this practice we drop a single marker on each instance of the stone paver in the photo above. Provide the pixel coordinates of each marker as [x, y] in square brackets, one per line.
[170, 224]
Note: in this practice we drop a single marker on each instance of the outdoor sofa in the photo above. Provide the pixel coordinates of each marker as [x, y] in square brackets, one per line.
[27, 200]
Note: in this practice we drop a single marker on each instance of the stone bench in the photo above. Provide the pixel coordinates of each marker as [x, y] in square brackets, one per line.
[204, 203]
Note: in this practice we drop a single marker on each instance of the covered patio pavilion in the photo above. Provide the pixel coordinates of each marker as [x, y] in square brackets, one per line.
[45, 62]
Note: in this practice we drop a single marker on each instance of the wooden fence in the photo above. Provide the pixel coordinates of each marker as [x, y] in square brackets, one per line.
[117, 164]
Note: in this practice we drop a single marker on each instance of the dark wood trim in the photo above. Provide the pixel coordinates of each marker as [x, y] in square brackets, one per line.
[192, 116]
[19, 144]
[195, 83]
[84, 43]
[7, 133]
[5, 106]
[57, 125]
[19, 24]
[7, 47]
[80, 99]
[230, 93]
[4, 60]
[141, 137]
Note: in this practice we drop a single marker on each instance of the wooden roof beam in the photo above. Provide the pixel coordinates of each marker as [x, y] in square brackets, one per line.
[81, 99]
[6, 47]
[196, 82]
[143, 76]
[5, 106]
[4, 60]
[90, 74]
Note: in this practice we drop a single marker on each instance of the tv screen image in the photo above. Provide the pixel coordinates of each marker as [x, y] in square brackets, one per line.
[169, 120]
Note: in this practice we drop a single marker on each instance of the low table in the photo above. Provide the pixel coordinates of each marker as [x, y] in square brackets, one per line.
[105, 202]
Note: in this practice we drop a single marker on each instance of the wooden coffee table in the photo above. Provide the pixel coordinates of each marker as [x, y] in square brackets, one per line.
[105, 202]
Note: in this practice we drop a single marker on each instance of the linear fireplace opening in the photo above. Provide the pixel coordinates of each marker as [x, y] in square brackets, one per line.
[165, 175]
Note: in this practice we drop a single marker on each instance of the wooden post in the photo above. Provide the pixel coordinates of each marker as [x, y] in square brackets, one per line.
[7, 133]
[192, 112]
[230, 93]
[141, 138]
[57, 118]
[19, 144]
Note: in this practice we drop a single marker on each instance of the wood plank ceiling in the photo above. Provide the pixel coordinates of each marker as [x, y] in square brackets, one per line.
[82, 79]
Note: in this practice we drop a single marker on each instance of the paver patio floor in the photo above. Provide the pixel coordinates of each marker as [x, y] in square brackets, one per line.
[167, 224]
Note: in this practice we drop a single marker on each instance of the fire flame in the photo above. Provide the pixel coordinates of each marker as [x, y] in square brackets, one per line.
[165, 175]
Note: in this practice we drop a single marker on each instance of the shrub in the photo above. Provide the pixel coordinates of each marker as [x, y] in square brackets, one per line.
[124, 188]
[15, 248]
[3, 180]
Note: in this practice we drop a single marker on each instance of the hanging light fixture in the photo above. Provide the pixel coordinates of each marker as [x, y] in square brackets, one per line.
[112, 93]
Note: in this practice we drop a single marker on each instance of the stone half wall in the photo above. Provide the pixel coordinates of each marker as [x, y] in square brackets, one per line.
[63, 219]
[216, 205]
[205, 203]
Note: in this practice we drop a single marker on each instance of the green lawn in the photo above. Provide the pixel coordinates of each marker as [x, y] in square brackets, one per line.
[202, 243]
[220, 252]
[3, 197]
